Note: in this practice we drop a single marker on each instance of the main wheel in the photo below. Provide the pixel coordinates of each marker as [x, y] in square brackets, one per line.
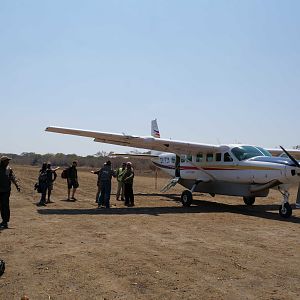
[249, 200]
[186, 198]
[286, 210]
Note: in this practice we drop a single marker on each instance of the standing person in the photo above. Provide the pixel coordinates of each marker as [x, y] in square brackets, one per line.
[106, 173]
[128, 185]
[42, 184]
[119, 174]
[51, 177]
[98, 183]
[6, 178]
[72, 180]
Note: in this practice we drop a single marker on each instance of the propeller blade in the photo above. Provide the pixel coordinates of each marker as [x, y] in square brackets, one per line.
[291, 157]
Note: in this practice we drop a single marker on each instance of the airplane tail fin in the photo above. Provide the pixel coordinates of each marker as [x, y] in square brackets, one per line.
[154, 129]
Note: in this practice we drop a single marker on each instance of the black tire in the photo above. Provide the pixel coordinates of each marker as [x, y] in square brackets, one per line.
[249, 200]
[286, 210]
[186, 198]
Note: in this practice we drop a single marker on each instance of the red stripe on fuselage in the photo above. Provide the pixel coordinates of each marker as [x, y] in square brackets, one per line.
[171, 167]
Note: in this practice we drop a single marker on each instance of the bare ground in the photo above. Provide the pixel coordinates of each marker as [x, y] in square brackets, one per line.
[216, 249]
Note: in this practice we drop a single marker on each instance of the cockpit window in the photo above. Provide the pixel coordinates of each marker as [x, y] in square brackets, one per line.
[246, 152]
[264, 151]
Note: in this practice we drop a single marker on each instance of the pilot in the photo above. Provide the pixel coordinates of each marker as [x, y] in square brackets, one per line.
[6, 178]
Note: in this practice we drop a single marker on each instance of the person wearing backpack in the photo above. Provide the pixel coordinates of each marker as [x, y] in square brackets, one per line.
[72, 180]
[42, 185]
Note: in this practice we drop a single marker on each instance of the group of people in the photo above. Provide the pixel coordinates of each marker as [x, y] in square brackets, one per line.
[46, 179]
[124, 175]
[47, 176]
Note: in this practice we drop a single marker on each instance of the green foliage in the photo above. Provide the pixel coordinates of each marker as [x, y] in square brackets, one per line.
[91, 161]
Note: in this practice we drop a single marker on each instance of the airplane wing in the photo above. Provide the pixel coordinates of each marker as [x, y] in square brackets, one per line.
[151, 143]
[137, 155]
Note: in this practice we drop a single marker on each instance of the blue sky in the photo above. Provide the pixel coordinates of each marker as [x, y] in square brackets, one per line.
[209, 71]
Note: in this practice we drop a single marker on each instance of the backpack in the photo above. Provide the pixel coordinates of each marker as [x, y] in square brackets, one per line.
[64, 174]
[43, 177]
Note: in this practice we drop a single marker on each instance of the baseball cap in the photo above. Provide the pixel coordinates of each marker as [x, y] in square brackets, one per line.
[5, 158]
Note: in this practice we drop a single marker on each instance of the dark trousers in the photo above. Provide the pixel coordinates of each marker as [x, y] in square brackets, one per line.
[4, 206]
[128, 193]
[105, 193]
[43, 197]
[43, 188]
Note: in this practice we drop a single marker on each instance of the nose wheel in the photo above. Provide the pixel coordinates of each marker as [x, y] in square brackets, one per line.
[249, 200]
[285, 209]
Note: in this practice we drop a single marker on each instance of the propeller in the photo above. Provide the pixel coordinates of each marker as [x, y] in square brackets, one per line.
[298, 198]
[297, 165]
[291, 157]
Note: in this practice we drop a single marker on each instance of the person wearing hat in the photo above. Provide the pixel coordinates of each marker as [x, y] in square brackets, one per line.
[51, 177]
[6, 178]
[119, 174]
[128, 185]
[105, 174]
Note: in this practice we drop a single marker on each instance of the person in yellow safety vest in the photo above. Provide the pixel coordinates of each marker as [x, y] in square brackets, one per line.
[119, 174]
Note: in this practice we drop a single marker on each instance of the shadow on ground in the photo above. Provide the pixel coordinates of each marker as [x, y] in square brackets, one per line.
[198, 206]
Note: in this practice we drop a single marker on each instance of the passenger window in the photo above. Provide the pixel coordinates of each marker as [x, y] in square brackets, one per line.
[189, 157]
[218, 156]
[209, 157]
[182, 158]
[173, 159]
[199, 157]
[167, 160]
[227, 157]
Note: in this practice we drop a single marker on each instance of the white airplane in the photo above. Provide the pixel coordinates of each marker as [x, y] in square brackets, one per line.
[233, 169]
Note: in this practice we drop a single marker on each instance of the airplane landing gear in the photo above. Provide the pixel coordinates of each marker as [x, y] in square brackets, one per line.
[285, 209]
[186, 198]
[249, 200]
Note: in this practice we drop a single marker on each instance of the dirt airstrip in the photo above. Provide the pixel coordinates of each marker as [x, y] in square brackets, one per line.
[216, 249]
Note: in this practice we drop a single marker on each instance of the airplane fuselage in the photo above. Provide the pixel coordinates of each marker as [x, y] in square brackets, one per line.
[224, 168]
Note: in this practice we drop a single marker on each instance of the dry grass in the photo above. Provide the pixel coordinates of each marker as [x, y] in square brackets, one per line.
[217, 249]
